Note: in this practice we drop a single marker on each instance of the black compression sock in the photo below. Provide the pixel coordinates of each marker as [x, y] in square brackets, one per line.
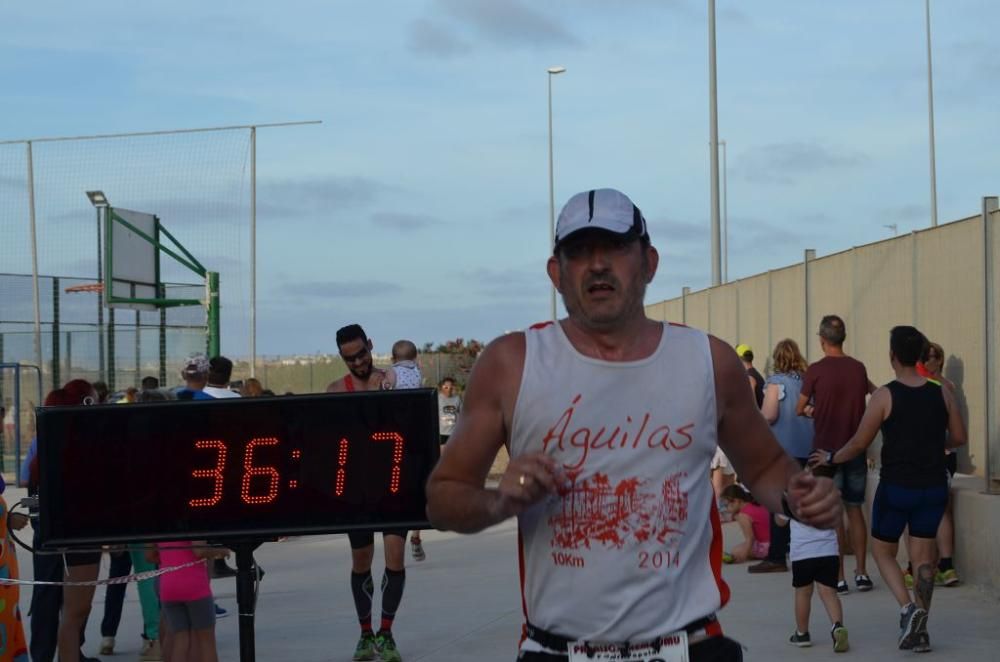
[363, 588]
[392, 594]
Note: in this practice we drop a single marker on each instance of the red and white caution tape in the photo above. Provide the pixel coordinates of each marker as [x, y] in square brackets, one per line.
[125, 579]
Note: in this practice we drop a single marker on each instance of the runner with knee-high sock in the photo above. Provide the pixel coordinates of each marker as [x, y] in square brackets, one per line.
[356, 351]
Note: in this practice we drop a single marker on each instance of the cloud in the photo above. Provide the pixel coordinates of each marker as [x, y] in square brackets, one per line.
[507, 283]
[316, 290]
[508, 23]
[483, 320]
[14, 185]
[669, 231]
[908, 212]
[402, 221]
[317, 195]
[734, 16]
[782, 163]
[432, 38]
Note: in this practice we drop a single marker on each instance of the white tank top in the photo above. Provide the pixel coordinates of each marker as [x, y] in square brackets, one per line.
[633, 550]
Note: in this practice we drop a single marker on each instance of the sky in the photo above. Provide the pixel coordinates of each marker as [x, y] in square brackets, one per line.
[419, 207]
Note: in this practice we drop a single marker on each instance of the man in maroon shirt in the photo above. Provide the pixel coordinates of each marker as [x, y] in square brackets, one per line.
[834, 393]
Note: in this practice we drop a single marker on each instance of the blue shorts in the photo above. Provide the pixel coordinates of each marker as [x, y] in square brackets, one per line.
[851, 479]
[895, 507]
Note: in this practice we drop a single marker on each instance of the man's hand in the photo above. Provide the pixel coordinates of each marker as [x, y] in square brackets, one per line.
[377, 381]
[528, 479]
[814, 500]
[818, 458]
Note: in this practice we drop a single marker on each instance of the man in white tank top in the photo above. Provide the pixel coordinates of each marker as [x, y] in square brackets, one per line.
[611, 420]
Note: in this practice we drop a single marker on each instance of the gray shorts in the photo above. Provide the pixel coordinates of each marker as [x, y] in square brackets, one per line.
[193, 615]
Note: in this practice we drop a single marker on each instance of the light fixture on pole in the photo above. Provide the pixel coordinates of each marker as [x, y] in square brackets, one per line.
[930, 115]
[552, 194]
[97, 198]
[894, 227]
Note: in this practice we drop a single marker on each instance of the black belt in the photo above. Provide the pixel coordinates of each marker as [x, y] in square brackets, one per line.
[557, 642]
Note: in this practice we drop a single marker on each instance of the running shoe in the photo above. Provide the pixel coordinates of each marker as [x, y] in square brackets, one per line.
[912, 621]
[947, 578]
[386, 647]
[923, 644]
[107, 646]
[842, 587]
[220, 612]
[365, 649]
[150, 651]
[766, 566]
[839, 634]
[863, 582]
[727, 557]
[418, 550]
[800, 639]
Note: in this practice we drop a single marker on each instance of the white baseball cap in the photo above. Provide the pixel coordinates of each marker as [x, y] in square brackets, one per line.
[600, 209]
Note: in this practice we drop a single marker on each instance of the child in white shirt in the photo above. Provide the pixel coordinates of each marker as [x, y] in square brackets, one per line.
[404, 373]
[815, 560]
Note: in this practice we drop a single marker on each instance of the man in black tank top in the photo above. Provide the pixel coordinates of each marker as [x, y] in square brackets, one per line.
[918, 419]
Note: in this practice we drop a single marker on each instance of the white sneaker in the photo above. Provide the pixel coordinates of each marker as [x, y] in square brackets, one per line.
[150, 651]
[107, 646]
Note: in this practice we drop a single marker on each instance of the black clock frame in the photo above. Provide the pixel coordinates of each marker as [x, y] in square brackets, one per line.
[90, 495]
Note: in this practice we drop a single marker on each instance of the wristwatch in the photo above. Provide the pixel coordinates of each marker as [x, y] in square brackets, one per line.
[829, 457]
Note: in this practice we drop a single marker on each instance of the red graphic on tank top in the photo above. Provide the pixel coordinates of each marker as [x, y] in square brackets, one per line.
[596, 513]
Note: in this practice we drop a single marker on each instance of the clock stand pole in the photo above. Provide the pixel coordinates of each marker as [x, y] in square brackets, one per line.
[246, 598]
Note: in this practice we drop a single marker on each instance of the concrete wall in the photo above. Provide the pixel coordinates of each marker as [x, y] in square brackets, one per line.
[941, 280]
[934, 279]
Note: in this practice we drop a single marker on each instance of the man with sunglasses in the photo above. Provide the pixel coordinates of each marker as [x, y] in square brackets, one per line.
[356, 350]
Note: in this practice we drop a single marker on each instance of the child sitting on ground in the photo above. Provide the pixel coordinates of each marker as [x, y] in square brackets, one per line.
[187, 603]
[815, 560]
[754, 523]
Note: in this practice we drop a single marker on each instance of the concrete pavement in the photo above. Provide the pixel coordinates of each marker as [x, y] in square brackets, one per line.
[463, 603]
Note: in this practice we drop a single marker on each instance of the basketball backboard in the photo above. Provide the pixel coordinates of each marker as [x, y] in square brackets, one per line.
[132, 260]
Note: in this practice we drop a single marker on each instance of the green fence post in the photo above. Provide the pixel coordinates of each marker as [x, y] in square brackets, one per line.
[56, 359]
[214, 340]
[111, 351]
[163, 337]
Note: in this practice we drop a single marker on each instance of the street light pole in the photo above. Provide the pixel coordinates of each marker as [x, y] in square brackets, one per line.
[713, 125]
[725, 216]
[930, 115]
[552, 71]
[100, 202]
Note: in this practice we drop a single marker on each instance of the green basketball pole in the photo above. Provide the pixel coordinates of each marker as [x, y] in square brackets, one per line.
[214, 338]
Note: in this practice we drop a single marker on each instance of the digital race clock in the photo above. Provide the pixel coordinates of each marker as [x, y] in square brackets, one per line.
[235, 468]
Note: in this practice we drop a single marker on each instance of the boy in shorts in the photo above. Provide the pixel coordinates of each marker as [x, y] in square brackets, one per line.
[815, 560]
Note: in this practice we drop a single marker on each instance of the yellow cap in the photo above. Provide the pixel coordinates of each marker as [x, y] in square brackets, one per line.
[742, 349]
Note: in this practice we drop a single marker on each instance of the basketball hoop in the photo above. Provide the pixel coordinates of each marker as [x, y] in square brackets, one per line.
[87, 287]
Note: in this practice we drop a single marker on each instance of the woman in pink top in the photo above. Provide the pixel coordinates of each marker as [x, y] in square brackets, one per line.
[186, 602]
[754, 521]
